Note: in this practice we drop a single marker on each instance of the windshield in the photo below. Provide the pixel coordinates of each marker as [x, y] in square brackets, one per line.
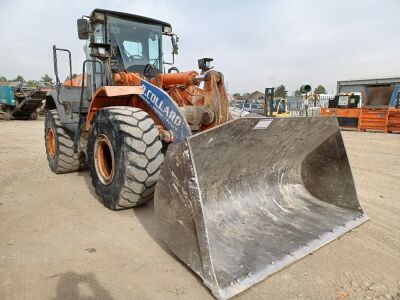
[134, 45]
[343, 100]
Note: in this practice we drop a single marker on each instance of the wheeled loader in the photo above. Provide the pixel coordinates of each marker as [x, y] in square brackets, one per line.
[236, 200]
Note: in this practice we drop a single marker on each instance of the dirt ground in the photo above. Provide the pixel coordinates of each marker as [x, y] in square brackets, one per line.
[58, 242]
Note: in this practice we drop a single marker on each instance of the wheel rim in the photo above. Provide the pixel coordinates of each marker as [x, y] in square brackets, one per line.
[51, 143]
[104, 159]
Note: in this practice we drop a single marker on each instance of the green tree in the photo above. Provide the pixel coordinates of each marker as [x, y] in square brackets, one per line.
[47, 80]
[3, 79]
[236, 95]
[320, 90]
[297, 93]
[19, 78]
[33, 83]
[281, 91]
[73, 76]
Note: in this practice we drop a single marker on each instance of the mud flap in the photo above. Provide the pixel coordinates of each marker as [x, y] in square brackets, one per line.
[241, 201]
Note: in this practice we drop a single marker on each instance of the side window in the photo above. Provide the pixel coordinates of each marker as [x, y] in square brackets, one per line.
[133, 48]
[98, 33]
[154, 50]
[246, 105]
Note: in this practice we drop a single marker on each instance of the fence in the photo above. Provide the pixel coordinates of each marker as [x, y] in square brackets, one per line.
[298, 108]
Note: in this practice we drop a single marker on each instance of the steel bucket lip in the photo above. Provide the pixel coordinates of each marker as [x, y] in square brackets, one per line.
[247, 282]
[257, 117]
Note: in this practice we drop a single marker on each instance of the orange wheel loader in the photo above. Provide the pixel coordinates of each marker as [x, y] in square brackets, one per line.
[236, 200]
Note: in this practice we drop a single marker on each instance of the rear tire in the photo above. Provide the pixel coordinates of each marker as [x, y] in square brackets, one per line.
[124, 156]
[33, 115]
[60, 146]
[7, 115]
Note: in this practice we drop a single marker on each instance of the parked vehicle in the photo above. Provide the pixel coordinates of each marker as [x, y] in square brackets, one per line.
[20, 101]
[255, 108]
[280, 108]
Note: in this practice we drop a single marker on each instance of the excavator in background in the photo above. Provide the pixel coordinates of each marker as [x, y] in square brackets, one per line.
[235, 200]
[20, 101]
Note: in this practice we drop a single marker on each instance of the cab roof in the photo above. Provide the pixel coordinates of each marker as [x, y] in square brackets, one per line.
[131, 17]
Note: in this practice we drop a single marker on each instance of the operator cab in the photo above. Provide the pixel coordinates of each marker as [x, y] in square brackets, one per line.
[126, 42]
[134, 45]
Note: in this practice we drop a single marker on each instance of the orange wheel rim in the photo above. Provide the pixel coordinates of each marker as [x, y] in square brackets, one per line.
[104, 159]
[51, 143]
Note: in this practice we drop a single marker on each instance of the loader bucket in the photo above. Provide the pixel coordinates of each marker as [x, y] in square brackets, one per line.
[241, 201]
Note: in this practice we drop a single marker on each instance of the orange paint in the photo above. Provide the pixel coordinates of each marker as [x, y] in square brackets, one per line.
[77, 81]
[182, 87]
[182, 78]
[51, 143]
[104, 159]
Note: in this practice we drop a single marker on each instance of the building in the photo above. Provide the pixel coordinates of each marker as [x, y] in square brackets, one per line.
[256, 96]
[348, 86]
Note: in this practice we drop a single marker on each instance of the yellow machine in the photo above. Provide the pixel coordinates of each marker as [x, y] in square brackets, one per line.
[280, 108]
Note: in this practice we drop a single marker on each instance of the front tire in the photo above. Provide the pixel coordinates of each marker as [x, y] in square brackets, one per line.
[124, 156]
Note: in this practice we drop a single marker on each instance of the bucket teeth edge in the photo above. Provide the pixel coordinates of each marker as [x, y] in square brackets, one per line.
[275, 266]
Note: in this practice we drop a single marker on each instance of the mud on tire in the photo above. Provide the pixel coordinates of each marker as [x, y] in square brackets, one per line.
[124, 156]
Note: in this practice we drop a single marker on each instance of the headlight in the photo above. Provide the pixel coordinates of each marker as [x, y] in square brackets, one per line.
[99, 16]
[167, 29]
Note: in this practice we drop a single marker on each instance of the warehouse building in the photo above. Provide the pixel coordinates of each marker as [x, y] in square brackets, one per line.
[348, 86]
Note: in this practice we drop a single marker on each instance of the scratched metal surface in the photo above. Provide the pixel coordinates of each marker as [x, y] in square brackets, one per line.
[241, 201]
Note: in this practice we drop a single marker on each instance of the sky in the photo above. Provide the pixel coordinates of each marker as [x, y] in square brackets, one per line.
[255, 44]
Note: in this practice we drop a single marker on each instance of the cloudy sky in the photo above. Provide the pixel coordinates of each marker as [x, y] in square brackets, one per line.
[256, 44]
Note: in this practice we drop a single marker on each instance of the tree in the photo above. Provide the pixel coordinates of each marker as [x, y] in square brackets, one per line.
[320, 90]
[19, 78]
[3, 79]
[73, 76]
[236, 95]
[297, 93]
[281, 91]
[47, 80]
[33, 83]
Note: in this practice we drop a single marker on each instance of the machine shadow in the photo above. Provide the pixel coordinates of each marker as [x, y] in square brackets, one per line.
[145, 215]
[68, 287]
[88, 181]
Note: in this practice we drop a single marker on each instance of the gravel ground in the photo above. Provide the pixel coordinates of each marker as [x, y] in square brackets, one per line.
[58, 242]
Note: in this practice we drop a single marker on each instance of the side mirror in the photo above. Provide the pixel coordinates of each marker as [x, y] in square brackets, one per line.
[83, 29]
[174, 44]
